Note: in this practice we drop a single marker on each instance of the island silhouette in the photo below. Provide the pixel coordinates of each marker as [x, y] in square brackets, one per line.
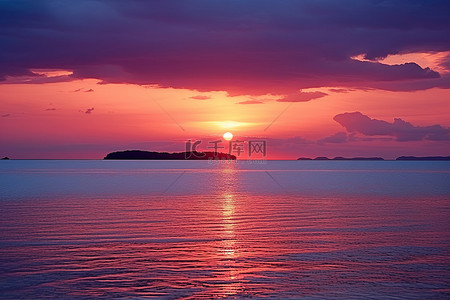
[423, 158]
[340, 158]
[378, 158]
[194, 155]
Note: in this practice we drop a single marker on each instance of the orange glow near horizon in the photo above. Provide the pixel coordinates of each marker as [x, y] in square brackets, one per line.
[108, 117]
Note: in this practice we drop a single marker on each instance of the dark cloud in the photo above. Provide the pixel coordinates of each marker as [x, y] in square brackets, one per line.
[337, 138]
[5, 115]
[341, 90]
[400, 129]
[89, 110]
[250, 102]
[343, 137]
[413, 85]
[353, 138]
[243, 47]
[35, 79]
[81, 90]
[200, 97]
[302, 97]
[50, 109]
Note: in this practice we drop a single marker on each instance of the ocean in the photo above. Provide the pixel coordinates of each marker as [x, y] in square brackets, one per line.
[89, 229]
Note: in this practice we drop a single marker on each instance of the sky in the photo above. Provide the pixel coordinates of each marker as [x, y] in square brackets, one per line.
[80, 79]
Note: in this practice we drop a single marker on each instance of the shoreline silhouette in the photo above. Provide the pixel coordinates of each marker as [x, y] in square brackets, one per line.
[434, 158]
[194, 155]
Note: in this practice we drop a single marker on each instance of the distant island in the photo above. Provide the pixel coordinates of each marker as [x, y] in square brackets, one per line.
[341, 158]
[423, 158]
[6, 157]
[139, 154]
[378, 158]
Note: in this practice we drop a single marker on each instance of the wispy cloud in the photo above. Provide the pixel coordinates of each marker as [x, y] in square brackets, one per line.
[337, 138]
[336, 90]
[250, 102]
[302, 97]
[89, 110]
[83, 90]
[200, 97]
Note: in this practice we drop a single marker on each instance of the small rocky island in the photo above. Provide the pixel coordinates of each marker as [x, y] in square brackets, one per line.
[423, 158]
[378, 158]
[194, 155]
[341, 158]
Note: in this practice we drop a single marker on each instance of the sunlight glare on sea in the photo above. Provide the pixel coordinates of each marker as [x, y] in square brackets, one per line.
[195, 229]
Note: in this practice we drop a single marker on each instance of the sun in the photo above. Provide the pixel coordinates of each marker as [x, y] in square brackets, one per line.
[227, 136]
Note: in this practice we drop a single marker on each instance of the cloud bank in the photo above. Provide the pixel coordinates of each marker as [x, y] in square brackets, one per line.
[302, 97]
[249, 47]
[402, 131]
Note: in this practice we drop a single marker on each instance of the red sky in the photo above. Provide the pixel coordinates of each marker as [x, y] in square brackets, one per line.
[81, 90]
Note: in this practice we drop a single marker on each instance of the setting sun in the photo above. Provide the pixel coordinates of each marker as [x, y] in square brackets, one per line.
[227, 136]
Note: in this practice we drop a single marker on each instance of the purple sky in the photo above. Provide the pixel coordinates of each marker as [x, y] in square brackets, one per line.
[258, 53]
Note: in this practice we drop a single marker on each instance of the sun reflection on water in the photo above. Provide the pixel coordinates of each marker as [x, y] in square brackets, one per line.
[228, 252]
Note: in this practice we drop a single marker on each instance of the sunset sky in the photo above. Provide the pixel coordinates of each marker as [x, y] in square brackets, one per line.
[79, 79]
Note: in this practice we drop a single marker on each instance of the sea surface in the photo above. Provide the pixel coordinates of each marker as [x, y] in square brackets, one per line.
[88, 229]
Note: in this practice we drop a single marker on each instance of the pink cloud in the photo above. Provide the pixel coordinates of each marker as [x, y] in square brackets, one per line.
[250, 102]
[403, 131]
[302, 97]
[200, 97]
